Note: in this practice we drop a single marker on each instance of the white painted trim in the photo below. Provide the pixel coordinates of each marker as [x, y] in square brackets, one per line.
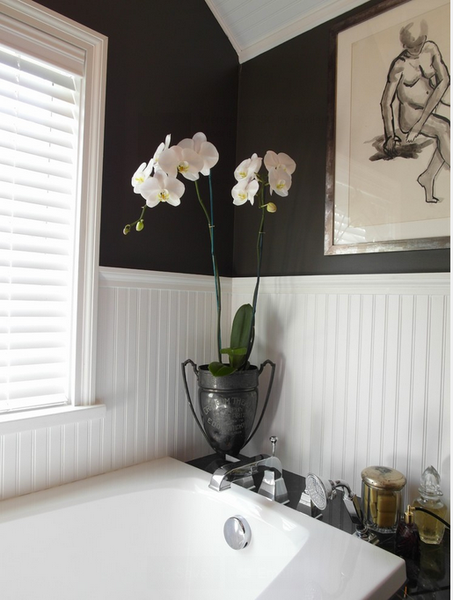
[45, 22]
[394, 283]
[49, 417]
[90, 217]
[142, 279]
[391, 283]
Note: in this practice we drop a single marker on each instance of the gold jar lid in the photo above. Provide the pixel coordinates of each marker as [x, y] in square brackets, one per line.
[383, 478]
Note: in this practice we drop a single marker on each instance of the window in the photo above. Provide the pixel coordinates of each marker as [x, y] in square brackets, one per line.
[52, 87]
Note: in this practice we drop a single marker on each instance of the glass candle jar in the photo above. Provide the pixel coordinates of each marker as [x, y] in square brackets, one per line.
[382, 498]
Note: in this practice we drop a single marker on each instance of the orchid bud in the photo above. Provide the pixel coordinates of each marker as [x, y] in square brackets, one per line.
[140, 225]
[271, 207]
[126, 229]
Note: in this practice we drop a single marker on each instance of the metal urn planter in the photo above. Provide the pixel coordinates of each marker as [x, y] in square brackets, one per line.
[228, 405]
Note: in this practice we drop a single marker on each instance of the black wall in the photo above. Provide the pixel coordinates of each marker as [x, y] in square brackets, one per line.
[283, 106]
[171, 69]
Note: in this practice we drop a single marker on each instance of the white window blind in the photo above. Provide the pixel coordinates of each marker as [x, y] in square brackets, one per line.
[39, 133]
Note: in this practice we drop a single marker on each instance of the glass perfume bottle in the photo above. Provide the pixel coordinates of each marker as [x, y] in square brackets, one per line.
[407, 538]
[430, 529]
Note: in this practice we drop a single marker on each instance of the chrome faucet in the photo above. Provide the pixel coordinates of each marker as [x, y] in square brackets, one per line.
[272, 486]
[224, 476]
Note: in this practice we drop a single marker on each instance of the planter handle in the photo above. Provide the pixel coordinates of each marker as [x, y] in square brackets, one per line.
[195, 370]
[269, 388]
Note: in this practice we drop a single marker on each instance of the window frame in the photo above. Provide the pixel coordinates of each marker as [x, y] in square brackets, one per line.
[54, 34]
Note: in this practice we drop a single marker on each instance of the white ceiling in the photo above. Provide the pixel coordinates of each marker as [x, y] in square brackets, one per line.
[255, 26]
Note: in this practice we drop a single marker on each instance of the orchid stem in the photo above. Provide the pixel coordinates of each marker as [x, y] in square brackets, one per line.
[259, 256]
[259, 251]
[210, 220]
[142, 214]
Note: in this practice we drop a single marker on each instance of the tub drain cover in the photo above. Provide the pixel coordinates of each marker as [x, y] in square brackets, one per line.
[237, 532]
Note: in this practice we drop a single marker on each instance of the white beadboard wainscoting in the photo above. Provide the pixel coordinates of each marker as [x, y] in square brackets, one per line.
[362, 377]
[363, 373]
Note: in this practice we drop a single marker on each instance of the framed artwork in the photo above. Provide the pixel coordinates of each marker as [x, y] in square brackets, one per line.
[388, 160]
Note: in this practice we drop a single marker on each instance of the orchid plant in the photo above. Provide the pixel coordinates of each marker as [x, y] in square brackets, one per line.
[157, 181]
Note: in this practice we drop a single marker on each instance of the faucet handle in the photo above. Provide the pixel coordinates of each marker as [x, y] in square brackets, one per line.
[273, 487]
[273, 440]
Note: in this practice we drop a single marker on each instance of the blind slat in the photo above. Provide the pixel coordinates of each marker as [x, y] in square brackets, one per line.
[36, 389]
[57, 136]
[8, 74]
[38, 166]
[37, 309]
[31, 147]
[32, 115]
[20, 62]
[39, 106]
[35, 212]
[36, 180]
[31, 196]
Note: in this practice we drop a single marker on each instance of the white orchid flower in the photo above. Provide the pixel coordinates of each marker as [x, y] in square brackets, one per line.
[186, 161]
[145, 170]
[140, 176]
[272, 160]
[248, 168]
[207, 151]
[279, 181]
[161, 147]
[245, 190]
[162, 188]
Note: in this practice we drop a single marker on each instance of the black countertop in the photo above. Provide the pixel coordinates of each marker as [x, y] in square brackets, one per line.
[428, 574]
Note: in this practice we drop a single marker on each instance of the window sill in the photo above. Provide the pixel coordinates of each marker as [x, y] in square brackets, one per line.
[49, 417]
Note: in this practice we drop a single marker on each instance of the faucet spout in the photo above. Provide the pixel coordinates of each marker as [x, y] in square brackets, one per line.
[224, 476]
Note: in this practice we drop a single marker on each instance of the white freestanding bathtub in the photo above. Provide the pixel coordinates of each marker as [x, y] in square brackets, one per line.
[155, 531]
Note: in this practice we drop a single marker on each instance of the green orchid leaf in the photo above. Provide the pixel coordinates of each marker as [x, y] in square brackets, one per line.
[234, 351]
[218, 369]
[242, 332]
[242, 324]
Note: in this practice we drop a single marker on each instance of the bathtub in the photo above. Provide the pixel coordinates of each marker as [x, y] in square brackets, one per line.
[155, 531]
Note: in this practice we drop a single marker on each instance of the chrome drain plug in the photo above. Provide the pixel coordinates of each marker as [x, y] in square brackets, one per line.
[237, 532]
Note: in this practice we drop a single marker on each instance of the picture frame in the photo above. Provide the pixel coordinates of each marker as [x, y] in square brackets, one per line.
[383, 192]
